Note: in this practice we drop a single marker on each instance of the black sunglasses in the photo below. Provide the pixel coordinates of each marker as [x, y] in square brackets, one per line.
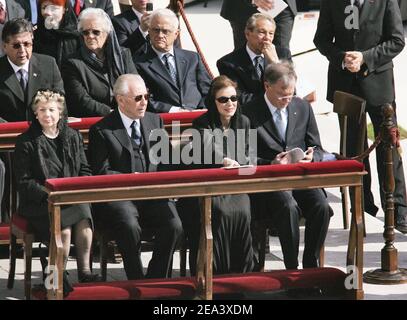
[226, 99]
[22, 44]
[139, 97]
[91, 31]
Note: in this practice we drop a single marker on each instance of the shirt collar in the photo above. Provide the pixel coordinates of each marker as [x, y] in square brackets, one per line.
[161, 54]
[137, 13]
[272, 108]
[251, 54]
[16, 68]
[126, 120]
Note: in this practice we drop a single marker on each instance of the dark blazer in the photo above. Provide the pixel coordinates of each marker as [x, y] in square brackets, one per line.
[43, 73]
[127, 30]
[241, 10]
[88, 92]
[32, 160]
[15, 9]
[110, 149]
[192, 76]
[380, 38]
[238, 66]
[302, 130]
[106, 5]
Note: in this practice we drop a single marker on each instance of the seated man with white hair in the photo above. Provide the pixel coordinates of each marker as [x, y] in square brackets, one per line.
[119, 143]
[176, 78]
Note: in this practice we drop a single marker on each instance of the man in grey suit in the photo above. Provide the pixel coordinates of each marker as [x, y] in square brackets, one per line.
[238, 11]
[284, 122]
[360, 38]
[22, 72]
[120, 143]
[176, 78]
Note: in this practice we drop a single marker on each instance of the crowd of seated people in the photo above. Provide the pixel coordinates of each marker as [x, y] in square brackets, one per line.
[127, 70]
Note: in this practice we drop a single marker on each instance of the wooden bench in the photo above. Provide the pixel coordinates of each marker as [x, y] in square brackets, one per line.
[205, 183]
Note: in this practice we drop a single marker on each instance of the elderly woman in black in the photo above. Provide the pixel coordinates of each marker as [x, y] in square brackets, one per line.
[90, 74]
[56, 34]
[50, 149]
[232, 240]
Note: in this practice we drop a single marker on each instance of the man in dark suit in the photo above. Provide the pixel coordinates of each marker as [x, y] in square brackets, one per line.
[22, 72]
[12, 9]
[119, 143]
[238, 11]
[131, 26]
[176, 78]
[246, 65]
[360, 39]
[284, 122]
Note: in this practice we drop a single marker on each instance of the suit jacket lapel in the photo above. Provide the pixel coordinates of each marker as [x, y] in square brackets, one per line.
[131, 16]
[33, 74]
[292, 119]
[182, 65]
[12, 83]
[366, 8]
[120, 132]
[269, 124]
[158, 67]
[145, 131]
[12, 10]
[247, 64]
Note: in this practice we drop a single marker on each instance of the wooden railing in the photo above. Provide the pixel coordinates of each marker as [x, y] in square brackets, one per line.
[204, 184]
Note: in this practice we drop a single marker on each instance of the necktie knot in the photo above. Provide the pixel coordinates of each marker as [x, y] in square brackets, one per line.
[258, 65]
[170, 65]
[135, 132]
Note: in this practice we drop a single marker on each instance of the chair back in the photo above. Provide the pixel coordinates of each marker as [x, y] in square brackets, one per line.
[349, 106]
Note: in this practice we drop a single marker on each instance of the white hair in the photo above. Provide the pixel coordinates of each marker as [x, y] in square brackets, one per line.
[166, 13]
[121, 86]
[98, 15]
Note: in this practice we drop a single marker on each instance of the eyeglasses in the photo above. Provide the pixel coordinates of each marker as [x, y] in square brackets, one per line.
[226, 99]
[139, 97]
[22, 45]
[88, 32]
[165, 32]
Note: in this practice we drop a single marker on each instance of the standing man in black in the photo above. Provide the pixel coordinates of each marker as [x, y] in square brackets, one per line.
[238, 11]
[131, 26]
[9, 10]
[360, 38]
[246, 65]
[119, 143]
[284, 122]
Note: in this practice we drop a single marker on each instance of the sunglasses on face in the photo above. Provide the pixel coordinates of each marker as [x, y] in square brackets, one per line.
[22, 45]
[226, 99]
[165, 32]
[86, 33]
[139, 97]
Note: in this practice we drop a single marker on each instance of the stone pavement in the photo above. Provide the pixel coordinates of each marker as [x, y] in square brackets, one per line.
[215, 38]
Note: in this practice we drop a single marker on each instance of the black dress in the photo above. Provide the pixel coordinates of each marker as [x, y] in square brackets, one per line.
[38, 158]
[232, 240]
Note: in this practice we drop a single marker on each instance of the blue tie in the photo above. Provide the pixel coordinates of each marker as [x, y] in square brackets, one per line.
[135, 133]
[280, 124]
[34, 11]
[170, 64]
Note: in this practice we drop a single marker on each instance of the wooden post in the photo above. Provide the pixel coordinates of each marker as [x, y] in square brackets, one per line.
[389, 272]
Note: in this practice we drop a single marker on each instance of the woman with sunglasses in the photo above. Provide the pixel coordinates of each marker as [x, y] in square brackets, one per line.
[56, 34]
[50, 149]
[89, 75]
[232, 240]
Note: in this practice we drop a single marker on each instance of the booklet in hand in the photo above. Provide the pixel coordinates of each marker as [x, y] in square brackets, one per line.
[295, 155]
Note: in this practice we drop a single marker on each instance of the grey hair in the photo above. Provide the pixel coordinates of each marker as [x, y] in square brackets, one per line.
[283, 70]
[49, 96]
[97, 14]
[121, 86]
[251, 22]
[166, 13]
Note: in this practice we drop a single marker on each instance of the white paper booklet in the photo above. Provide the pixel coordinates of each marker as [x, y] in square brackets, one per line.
[279, 5]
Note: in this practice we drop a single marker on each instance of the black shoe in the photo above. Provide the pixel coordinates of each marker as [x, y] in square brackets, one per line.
[67, 289]
[90, 277]
[401, 219]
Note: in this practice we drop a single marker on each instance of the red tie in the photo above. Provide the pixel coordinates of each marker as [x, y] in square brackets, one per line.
[2, 14]
[77, 7]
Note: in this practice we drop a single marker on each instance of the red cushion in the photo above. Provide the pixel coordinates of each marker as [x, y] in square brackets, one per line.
[182, 117]
[222, 284]
[20, 222]
[278, 280]
[13, 127]
[84, 123]
[191, 176]
[4, 231]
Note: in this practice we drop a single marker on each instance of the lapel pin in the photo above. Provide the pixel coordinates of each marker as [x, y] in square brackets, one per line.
[34, 74]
